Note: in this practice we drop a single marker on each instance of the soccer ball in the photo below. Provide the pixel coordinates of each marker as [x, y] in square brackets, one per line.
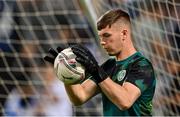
[67, 69]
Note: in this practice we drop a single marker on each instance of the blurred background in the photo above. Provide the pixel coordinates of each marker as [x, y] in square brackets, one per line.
[28, 28]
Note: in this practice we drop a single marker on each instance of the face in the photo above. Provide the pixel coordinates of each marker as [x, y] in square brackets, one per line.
[111, 39]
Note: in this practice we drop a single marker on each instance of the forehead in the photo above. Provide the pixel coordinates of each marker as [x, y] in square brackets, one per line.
[108, 29]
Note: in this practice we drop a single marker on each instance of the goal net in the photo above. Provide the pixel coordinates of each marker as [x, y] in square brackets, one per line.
[28, 28]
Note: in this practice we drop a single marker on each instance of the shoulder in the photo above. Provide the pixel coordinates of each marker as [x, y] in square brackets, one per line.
[142, 63]
[141, 73]
[142, 69]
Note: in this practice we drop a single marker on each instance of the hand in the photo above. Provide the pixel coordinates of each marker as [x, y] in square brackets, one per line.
[53, 53]
[85, 57]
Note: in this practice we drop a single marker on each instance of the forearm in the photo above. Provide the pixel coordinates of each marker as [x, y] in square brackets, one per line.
[80, 93]
[118, 94]
[75, 93]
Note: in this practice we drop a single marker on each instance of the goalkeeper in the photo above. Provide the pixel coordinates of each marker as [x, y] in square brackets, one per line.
[127, 83]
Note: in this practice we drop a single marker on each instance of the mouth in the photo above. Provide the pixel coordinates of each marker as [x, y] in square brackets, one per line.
[107, 49]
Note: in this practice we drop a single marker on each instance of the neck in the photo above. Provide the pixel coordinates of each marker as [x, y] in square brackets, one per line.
[126, 52]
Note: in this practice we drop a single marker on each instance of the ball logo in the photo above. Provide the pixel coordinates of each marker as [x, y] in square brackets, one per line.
[121, 75]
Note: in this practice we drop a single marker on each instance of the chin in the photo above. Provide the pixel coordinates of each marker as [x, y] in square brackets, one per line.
[110, 54]
[113, 53]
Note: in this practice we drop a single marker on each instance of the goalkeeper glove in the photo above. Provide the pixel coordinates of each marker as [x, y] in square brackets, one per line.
[53, 54]
[109, 66]
[85, 57]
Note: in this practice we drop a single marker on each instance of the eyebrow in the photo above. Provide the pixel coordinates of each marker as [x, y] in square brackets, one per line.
[105, 34]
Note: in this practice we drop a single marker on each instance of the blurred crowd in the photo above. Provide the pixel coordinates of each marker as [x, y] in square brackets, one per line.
[29, 27]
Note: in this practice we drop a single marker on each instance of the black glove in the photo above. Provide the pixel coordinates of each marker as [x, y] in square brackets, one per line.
[109, 66]
[85, 57]
[53, 54]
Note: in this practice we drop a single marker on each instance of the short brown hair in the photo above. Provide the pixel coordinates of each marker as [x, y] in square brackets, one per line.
[111, 17]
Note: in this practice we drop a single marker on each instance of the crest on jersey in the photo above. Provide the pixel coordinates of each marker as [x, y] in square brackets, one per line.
[121, 75]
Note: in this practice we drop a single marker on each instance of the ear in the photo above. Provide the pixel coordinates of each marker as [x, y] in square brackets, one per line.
[124, 33]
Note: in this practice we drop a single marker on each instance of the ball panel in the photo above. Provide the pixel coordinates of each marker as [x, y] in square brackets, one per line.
[67, 74]
[67, 69]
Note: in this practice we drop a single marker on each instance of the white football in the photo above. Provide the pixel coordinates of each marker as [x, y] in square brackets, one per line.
[67, 69]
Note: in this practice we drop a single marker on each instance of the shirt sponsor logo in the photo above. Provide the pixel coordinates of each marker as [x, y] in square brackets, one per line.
[121, 75]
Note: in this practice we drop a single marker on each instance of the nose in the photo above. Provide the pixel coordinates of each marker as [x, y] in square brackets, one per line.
[102, 42]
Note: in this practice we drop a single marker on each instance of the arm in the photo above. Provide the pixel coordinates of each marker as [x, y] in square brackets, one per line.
[80, 93]
[122, 96]
[140, 77]
[88, 88]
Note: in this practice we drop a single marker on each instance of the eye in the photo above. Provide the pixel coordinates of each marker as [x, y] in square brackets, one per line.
[106, 35]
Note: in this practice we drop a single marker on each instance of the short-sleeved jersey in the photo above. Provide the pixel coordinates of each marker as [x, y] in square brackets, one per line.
[137, 70]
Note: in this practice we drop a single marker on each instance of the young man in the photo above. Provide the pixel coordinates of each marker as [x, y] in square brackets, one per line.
[127, 83]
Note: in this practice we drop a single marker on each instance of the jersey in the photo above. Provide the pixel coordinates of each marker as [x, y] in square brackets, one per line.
[137, 70]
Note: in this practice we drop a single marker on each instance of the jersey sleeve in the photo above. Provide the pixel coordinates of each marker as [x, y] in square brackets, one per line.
[141, 75]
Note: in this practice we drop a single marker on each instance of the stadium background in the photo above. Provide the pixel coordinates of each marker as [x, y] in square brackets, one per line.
[29, 27]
